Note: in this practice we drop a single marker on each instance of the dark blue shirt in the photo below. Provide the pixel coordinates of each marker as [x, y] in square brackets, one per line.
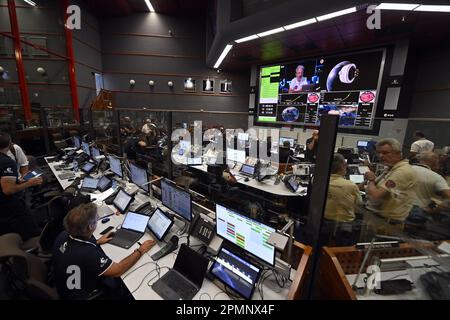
[78, 266]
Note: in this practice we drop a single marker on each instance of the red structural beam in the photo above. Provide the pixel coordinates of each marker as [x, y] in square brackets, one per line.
[71, 64]
[19, 61]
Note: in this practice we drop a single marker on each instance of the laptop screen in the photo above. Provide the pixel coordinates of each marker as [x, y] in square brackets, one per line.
[191, 264]
[357, 178]
[88, 167]
[247, 169]
[104, 181]
[135, 221]
[237, 273]
[89, 183]
[159, 224]
[122, 200]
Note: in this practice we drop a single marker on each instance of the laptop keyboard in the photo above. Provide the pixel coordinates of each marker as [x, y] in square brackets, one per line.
[178, 284]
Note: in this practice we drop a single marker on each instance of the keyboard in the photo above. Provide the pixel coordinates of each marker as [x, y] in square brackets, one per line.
[173, 286]
[65, 176]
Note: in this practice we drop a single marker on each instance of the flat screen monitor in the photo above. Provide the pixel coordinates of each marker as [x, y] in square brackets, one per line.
[300, 92]
[159, 224]
[115, 166]
[85, 147]
[89, 183]
[139, 177]
[242, 136]
[362, 143]
[122, 201]
[88, 167]
[246, 233]
[103, 183]
[176, 199]
[236, 155]
[236, 272]
[95, 152]
[76, 142]
[135, 221]
[291, 141]
[247, 169]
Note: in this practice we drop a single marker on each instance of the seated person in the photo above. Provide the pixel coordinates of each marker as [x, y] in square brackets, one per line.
[134, 147]
[14, 214]
[80, 265]
[343, 195]
[284, 152]
[431, 186]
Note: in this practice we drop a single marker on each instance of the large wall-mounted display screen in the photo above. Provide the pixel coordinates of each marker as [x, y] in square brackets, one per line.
[298, 93]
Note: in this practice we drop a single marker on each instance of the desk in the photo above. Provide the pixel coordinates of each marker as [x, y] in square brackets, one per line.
[137, 279]
[266, 185]
[64, 183]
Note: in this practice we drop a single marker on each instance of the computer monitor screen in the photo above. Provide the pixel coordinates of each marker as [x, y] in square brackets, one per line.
[88, 167]
[85, 147]
[242, 136]
[122, 201]
[250, 170]
[235, 272]
[95, 152]
[356, 178]
[76, 142]
[115, 166]
[362, 143]
[245, 233]
[176, 199]
[103, 183]
[139, 177]
[236, 155]
[291, 141]
[159, 224]
[135, 221]
[89, 183]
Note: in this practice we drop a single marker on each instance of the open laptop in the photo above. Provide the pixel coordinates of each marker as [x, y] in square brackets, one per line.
[160, 224]
[133, 228]
[89, 185]
[247, 170]
[122, 201]
[185, 279]
[236, 272]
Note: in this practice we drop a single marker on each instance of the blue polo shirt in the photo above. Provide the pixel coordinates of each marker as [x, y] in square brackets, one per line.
[78, 266]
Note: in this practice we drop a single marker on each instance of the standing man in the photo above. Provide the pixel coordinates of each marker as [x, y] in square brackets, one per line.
[299, 80]
[312, 145]
[391, 195]
[14, 215]
[16, 153]
[421, 144]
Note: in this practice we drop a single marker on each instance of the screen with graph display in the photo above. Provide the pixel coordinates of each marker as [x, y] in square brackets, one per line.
[246, 233]
[300, 92]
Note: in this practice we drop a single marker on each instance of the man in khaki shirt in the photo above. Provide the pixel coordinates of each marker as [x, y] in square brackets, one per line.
[343, 195]
[391, 195]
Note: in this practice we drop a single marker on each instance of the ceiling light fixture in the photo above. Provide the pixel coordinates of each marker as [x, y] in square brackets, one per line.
[252, 37]
[223, 55]
[31, 3]
[397, 6]
[300, 24]
[269, 32]
[149, 5]
[432, 8]
[336, 14]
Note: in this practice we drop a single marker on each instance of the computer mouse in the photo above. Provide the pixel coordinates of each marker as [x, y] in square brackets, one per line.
[246, 179]
[105, 220]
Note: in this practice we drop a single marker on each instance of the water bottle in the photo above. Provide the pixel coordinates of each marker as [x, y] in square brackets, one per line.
[75, 166]
[114, 185]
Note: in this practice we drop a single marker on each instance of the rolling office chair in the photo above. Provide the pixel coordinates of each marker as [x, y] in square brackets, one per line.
[27, 276]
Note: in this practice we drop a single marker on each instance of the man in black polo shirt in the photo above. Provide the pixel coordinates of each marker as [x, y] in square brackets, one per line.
[312, 145]
[14, 215]
[80, 265]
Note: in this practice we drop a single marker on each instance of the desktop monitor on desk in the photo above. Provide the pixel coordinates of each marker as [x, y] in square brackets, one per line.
[95, 152]
[139, 177]
[245, 233]
[176, 199]
[85, 147]
[291, 141]
[76, 142]
[242, 136]
[115, 166]
[236, 155]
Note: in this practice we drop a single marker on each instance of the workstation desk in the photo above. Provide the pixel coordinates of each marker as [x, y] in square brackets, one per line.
[144, 273]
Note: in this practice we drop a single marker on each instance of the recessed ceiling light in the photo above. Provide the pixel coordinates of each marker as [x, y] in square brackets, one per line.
[223, 55]
[336, 14]
[269, 32]
[300, 24]
[432, 8]
[149, 5]
[252, 37]
[397, 6]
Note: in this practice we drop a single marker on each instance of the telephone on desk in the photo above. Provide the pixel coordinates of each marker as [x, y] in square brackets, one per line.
[146, 208]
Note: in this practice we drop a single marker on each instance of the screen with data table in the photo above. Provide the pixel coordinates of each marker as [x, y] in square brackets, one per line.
[176, 199]
[246, 233]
